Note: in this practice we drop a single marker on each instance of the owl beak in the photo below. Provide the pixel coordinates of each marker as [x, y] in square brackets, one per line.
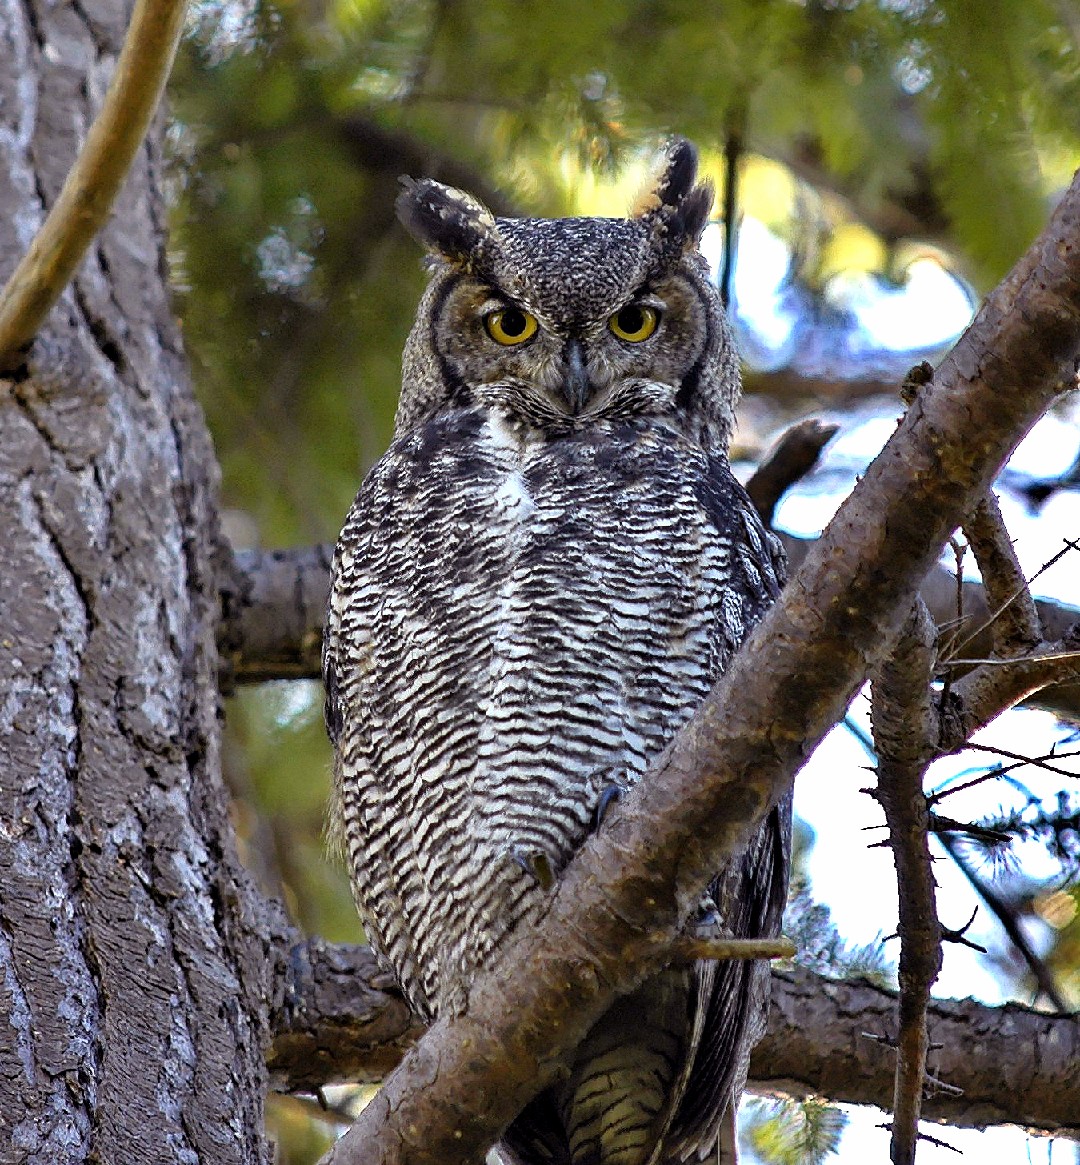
[577, 388]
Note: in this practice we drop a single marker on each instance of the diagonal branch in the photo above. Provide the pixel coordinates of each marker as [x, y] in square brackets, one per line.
[91, 187]
[620, 904]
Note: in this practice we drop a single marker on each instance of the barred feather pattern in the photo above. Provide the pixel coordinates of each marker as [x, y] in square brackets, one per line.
[519, 621]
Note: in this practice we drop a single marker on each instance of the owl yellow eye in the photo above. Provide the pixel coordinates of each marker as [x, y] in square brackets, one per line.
[635, 322]
[510, 325]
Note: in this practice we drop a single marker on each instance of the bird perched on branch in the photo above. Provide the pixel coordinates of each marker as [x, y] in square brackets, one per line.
[535, 588]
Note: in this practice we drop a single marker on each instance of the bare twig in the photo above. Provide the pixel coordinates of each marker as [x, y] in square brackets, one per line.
[688, 949]
[1039, 762]
[904, 731]
[88, 193]
[983, 694]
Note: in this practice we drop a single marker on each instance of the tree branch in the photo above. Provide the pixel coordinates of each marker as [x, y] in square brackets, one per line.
[903, 717]
[341, 1023]
[793, 455]
[273, 607]
[275, 602]
[621, 902]
[1014, 620]
[90, 188]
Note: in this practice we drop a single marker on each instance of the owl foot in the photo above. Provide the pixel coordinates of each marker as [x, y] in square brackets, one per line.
[535, 863]
[610, 793]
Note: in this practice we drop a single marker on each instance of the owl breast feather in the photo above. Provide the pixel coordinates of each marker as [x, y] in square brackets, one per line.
[516, 626]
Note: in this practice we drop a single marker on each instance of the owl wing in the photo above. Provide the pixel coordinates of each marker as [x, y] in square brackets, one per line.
[732, 995]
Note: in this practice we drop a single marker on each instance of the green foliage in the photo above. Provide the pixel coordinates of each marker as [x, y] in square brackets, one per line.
[788, 1132]
[296, 286]
[821, 949]
[277, 758]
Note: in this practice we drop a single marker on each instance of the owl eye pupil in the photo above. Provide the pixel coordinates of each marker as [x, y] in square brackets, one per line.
[631, 319]
[634, 323]
[513, 322]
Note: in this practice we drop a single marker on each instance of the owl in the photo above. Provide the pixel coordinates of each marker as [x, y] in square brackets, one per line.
[535, 587]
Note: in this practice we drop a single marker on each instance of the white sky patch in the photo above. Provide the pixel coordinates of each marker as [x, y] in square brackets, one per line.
[863, 1141]
[930, 308]
[760, 271]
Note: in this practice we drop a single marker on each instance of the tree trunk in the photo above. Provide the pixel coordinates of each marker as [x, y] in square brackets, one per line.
[133, 968]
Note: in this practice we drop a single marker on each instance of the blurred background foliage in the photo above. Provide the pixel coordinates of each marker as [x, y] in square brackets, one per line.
[881, 147]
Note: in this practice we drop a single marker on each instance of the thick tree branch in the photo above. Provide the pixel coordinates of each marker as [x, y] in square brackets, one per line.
[340, 1019]
[91, 187]
[621, 903]
[273, 608]
[341, 1022]
[275, 602]
[903, 717]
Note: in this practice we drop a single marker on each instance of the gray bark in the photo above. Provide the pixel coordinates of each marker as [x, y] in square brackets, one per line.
[342, 1021]
[133, 951]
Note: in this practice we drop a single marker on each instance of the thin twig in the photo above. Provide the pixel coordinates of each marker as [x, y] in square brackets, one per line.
[91, 186]
[956, 644]
[903, 722]
[1017, 661]
[1038, 761]
[977, 698]
[690, 949]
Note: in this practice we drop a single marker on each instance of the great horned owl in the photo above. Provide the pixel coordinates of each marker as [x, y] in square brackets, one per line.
[535, 587]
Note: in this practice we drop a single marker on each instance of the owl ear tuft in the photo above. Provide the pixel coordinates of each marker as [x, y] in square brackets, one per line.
[672, 205]
[449, 222]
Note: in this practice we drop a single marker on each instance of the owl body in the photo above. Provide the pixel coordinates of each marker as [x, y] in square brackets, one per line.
[536, 586]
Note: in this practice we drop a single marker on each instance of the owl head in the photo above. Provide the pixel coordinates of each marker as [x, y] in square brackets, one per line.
[568, 322]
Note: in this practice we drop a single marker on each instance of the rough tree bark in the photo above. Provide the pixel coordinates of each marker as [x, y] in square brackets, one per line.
[133, 952]
[340, 1022]
[139, 969]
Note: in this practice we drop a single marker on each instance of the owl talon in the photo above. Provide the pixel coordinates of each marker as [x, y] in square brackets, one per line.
[610, 793]
[536, 864]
